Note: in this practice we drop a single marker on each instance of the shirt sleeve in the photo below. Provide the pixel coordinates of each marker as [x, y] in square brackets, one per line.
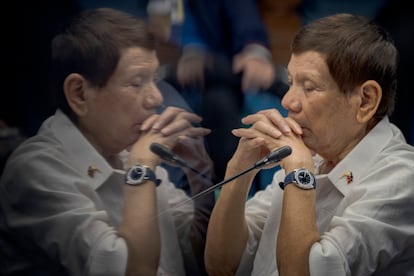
[257, 212]
[326, 259]
[181, 208]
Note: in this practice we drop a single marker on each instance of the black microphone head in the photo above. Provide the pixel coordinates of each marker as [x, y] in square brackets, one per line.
[162, 151]
[274, 156]
[167, 154]
[279, 154]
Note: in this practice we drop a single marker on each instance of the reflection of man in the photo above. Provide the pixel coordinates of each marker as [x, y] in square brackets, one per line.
[83, 196]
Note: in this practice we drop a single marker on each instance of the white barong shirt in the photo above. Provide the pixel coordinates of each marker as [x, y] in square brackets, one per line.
[366, 224]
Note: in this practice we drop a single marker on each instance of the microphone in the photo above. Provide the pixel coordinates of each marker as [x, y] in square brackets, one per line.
[167, 155]
[273, 157]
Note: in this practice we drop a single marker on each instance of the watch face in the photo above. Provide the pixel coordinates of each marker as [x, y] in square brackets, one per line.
[304, 179]
[135, 175]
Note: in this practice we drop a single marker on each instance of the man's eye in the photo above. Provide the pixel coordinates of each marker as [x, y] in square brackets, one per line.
[136, 84]
[308, 89]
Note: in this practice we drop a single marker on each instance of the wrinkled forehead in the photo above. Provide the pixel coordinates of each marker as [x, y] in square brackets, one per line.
[311, 62]
[137, 58]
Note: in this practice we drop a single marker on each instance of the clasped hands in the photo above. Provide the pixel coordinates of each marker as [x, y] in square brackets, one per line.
[268, 131]
[176, 129]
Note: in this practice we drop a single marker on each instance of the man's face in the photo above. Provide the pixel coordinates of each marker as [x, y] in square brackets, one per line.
[116, 111]
[314, 100]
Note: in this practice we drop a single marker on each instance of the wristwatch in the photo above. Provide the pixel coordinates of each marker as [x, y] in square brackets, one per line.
[138, 174]
[302, 178]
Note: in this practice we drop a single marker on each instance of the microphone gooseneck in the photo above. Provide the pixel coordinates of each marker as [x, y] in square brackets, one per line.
[273, 157]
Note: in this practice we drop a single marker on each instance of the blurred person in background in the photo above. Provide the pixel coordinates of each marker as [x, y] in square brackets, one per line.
[225, 54]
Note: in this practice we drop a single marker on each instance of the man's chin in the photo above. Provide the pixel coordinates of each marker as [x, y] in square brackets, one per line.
[307, 141]
[134, 138]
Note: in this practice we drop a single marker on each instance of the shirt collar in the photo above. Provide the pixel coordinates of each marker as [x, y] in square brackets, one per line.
[82, 154]
[349, 171]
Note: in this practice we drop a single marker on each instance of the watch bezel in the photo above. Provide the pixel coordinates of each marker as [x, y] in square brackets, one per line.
[146, 173]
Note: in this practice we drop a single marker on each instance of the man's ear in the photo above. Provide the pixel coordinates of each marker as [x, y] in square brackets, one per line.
[74, 88]
[370, 96]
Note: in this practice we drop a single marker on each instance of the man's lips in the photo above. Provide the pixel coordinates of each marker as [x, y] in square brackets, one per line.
[137, 127]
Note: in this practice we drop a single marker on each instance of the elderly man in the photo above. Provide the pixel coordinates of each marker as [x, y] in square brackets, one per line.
[343, 202]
